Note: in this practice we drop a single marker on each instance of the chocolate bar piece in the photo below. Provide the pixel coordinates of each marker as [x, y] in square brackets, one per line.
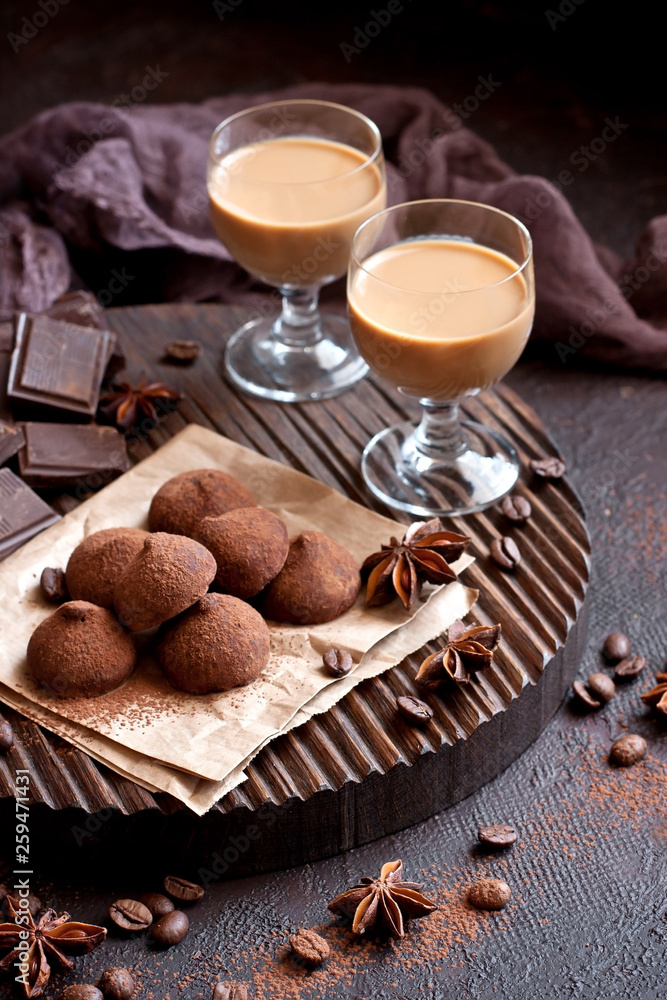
[83, 309]
[65, 455]
[22, 513]
[11, 441]
[57, 365]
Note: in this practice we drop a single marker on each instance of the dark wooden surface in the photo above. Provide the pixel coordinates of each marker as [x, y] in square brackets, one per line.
[589, 912]
[359, 771]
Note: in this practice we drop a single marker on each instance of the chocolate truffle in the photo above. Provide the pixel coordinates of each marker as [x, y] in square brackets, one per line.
[170, 573]
[97, 562]
[183, 501]
[319, 581]
[218, 644]
[80, 651]
[250, 546]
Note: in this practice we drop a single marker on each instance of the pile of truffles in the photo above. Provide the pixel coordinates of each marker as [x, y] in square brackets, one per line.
[206, 531]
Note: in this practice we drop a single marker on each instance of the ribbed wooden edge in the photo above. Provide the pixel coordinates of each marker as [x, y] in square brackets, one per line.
[362, 736]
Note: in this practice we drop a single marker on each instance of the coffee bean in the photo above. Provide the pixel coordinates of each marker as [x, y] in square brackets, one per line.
[417, 712]
[505, 553]
[52, 582]
[6, 735]
[661, 677]
[601, 686]
[616, 647]
[489, 894]
[630, 667]
[130, 915]
[171, 928]
[516, 508]
[584, 696]
[157, 903]
[34, 904]
[230, 991]
[80, 991]
[309, 948]
[497, 835]
[183, 350]
[338, 662]
[548, 468]
[627, 750]
[117, 983]
[181, 889]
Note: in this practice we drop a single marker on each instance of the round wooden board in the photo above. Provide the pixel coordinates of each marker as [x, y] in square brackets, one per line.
[358, 772]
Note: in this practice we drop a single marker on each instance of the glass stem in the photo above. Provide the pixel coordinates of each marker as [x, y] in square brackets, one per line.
[439, 432]
[299, 323]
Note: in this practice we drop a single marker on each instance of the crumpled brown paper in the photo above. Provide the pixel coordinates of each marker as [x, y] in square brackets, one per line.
[197, 747]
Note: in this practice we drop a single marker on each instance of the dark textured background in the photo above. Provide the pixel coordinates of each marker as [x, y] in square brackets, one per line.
[589, 914]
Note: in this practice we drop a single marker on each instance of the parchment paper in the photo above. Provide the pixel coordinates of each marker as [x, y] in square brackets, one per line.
[453, 601]
[211, 737]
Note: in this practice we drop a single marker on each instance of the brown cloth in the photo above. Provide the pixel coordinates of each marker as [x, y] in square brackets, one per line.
[90, 177]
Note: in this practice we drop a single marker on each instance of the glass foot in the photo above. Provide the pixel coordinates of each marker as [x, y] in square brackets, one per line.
[402, 473]
[263, 364]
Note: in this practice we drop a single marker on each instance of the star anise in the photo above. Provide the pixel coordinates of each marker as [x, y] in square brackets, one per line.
[126, 404]
[401, 567]
[657, 697]
[48, 941]
[468, 648]
[381, 904]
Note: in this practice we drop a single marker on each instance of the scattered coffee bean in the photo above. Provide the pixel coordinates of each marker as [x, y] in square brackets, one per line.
[616, 647]
[34, 904]
[117, 983]
[309, 948]
[183, 350]
[157, 903]
[80, 991]
[601, 686]
[505, 553]
[52, 582]
[497, 835]
[627, 750]
[338, 662]
[630, 667]
[489, 894]
[516, 508]
[171, 928]
[181, 889]
[417, 712]
[6, 735]
[548, 468]
[230, 991]
[661, 677]
[130, 915]
[584, 696]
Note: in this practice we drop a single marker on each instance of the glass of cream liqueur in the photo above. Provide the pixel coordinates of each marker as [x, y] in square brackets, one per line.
[289, 183]
[441, 298]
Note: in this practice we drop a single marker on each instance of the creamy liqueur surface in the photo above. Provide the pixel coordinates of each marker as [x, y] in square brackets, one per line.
[440, 317]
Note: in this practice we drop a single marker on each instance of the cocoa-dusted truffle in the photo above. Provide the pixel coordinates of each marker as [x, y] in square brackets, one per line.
[80, 651]
[170, 573]
[97, 562]
[218, 644]
[319, 581]
[250, 546]
[181, 503]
